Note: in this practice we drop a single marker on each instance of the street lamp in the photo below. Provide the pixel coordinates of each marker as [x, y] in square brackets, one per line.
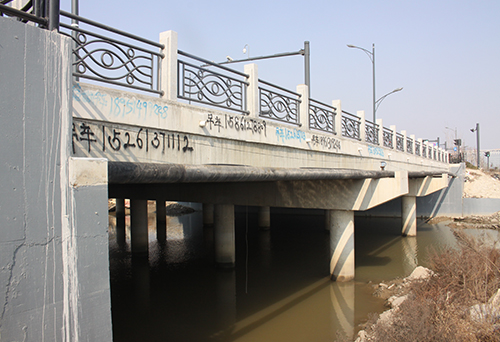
[477, 143]
[304, 52]
[370, 55]
[379, 101]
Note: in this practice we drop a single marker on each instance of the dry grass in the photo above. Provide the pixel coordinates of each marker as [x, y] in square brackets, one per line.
[438, 310]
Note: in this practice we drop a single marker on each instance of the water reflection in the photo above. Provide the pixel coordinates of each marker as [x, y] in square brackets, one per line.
[279, 291]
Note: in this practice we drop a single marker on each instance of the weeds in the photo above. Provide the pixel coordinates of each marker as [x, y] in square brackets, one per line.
[438, 309]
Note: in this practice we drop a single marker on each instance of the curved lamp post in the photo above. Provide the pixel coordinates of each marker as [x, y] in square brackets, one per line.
[371, 55]
[379, 101]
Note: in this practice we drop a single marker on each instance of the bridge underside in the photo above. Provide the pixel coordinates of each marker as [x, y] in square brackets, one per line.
[339, 191]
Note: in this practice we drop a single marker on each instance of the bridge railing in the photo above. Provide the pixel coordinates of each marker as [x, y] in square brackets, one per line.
[351, 126]
[322, 116]
[225, 88]
[105, 54]
[278, 103]
[371, 132]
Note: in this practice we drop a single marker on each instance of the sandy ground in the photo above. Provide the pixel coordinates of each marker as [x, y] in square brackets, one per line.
[480, 184]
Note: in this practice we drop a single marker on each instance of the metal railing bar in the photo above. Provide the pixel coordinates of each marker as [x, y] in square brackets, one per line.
[323, 104]
[213, 104]
[17, 13]
[111, 29]
[206, 61]
[280, 88]
[159, 92]
[353, 115]
[213, 72]
[156, 53]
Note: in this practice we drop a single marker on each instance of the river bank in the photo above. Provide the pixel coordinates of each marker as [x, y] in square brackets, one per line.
[456, 298]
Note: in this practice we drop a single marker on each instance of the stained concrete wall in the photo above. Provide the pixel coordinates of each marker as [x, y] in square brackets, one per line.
[54, 278]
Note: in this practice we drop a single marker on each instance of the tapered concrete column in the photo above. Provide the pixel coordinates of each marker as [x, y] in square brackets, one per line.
[225, 255]
[161, 220]
[342, 245]
[120, 220]
[265, 217]
[409, 215]
[208, 214]
[139, 226]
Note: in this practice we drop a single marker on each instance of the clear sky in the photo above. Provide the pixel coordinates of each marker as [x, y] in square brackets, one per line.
[446, 54]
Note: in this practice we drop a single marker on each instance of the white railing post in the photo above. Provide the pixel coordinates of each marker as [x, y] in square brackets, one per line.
[168, 74]
[380, 137]
[394, 139]
[337, 104]
[404, 141]
[253, 105]
[303, 90]
[420, 147]
[362, 125]
[412, 137]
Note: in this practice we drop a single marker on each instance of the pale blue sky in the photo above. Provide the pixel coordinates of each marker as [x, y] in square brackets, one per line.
[446, 54]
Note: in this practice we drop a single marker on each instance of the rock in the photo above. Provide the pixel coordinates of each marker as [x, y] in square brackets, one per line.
[362, 336]
[489, 312]
[420, 273]
[395, 301]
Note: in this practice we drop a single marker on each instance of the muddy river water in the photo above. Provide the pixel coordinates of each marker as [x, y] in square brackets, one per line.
[279, 290]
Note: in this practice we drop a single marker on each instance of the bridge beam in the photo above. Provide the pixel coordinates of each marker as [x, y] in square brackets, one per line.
[342, 245]
[225, 250]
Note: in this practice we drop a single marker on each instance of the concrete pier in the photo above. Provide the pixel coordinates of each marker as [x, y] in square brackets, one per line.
[224, 238]
[265, 217]
[208, 214]
[409, 215]
[161, 220]
[139, 226]
[342, 245]
[120, 221]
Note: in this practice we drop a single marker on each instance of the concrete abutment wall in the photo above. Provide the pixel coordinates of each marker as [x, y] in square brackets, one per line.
[54, 273]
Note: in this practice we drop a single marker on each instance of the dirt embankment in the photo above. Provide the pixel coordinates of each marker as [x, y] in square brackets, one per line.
[481, 184]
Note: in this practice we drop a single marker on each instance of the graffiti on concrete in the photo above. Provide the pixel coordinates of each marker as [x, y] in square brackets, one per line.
[284, 134]
[326, 142]
[236, 122]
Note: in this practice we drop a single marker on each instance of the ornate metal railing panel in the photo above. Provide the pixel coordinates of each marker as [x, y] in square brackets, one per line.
[219, 88]
[279, 104]
[32, 11]
[424, 151]
[322, 116]
[371, 132]
[105, 54]
[388, 135]
[400, 142]
[435, 154]
[429, 153]
[409, 145]
[351, 126]
[417, 148]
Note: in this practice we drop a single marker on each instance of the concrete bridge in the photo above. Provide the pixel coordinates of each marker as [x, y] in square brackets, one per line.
[222, 138]
[277, 148]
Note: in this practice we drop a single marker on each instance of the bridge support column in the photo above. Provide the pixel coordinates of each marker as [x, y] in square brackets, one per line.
[139, 226]
[208, 214]
[409, 215]
[342, 245]
[225, 251]
[120, 221]
[265, 217]
[161, 220]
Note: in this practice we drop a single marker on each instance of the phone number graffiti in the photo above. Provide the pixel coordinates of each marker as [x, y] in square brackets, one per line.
[112, 139]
